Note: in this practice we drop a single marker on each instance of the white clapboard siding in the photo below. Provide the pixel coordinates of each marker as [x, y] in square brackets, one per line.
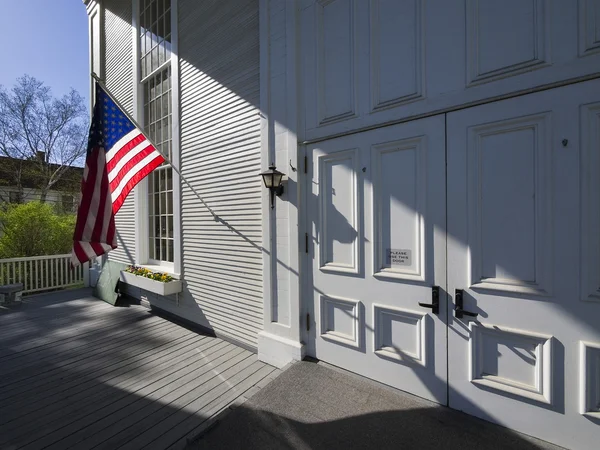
[119, 81]
[220, 157]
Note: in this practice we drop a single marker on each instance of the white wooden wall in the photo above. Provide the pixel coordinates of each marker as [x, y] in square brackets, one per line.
[220, 157]
[118, 71]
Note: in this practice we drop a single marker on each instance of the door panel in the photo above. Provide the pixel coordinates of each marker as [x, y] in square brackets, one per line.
[366, 63]
[517, 172]
[377, 212]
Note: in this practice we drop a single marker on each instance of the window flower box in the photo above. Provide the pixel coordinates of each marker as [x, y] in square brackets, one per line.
[158, 287]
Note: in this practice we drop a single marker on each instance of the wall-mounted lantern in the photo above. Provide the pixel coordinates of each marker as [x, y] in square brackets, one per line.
[272, 179]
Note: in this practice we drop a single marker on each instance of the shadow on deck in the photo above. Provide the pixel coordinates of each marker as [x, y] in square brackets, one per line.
[76, 372]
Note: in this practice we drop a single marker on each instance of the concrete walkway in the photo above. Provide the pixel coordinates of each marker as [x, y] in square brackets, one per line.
[314, 406]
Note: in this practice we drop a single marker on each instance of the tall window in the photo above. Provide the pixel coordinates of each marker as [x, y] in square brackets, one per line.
[155, 65]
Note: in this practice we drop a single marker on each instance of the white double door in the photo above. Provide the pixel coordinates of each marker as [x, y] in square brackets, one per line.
[497, 206]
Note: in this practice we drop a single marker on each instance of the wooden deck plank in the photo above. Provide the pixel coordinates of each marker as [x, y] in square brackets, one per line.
[52, 369]
[93, 414]
[83, 388]
[79, 373]
[51, 398]
[52, 419]
[171, 403]
[46, 335]
[63, 354]
[179, 426]
[70, 376]
[138, 390]
[53, 337]
[31, 311]
[102, 421]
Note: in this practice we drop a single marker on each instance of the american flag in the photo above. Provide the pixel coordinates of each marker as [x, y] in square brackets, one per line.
[119, 156]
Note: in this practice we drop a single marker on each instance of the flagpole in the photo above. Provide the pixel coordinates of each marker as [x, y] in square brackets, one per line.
[167, 159]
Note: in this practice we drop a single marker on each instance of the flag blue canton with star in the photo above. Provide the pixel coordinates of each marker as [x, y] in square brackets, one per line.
[112, 124]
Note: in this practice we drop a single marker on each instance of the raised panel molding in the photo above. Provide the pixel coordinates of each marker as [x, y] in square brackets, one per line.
[516, 40]
[346, 227]
[336, 60]
[589, 27]
[514, 361]
[340, 320]
[590, 202]
[590, 379]
[407, 346]
[396, 40]
[540, 266]
[413, 165]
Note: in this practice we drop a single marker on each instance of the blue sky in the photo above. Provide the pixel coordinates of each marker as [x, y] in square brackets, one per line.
[47, 40]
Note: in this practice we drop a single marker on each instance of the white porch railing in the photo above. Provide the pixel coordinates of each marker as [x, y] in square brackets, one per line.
[42, 273]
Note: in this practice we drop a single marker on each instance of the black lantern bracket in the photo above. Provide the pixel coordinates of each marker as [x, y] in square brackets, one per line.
[272, 179]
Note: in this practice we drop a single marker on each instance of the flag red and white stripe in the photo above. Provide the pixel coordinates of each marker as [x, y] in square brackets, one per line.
[119, 156]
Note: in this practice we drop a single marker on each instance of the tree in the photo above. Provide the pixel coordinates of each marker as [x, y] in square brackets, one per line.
[49, 132]
[34, 229]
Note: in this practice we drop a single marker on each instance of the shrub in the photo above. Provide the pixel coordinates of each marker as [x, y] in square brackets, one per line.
[34, 229]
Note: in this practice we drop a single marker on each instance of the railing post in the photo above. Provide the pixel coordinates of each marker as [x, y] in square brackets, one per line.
[86, 274]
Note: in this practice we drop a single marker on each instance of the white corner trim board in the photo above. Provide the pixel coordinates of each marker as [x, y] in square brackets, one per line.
[278, 351]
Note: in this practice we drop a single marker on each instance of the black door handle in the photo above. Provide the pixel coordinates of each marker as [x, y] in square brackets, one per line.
[435, 300]
[459, 312]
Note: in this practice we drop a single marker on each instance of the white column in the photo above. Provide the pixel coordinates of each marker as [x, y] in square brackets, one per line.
[280, 340]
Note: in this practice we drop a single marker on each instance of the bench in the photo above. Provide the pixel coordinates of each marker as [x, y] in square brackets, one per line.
[11, 293]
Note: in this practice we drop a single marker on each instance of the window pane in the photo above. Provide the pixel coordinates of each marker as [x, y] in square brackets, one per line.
[161, 27]
[152, 14]
[170, 224]
[165, 125]
[151, 248]
[168, 48]
[168, 24]
[163, 180]
[165, 104]
[155, 58]
[148, 37]
[148, 64]
[157, 226]
[170, 207]
[169, 180]
[170, 255]
[156, 182]
[166, 80]
[156, 135]
[163, 250]
[163, 203]
[157, 205]
[157, 249]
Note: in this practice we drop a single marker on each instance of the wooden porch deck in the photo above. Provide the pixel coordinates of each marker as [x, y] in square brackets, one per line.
[76, 372]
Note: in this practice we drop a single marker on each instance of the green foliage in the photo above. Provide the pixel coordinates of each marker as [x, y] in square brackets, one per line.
[35, 229]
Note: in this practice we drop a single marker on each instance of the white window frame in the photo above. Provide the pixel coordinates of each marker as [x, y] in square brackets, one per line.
[141, 190]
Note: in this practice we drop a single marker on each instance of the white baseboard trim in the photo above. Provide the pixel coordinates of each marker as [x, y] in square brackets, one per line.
[278, 351]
